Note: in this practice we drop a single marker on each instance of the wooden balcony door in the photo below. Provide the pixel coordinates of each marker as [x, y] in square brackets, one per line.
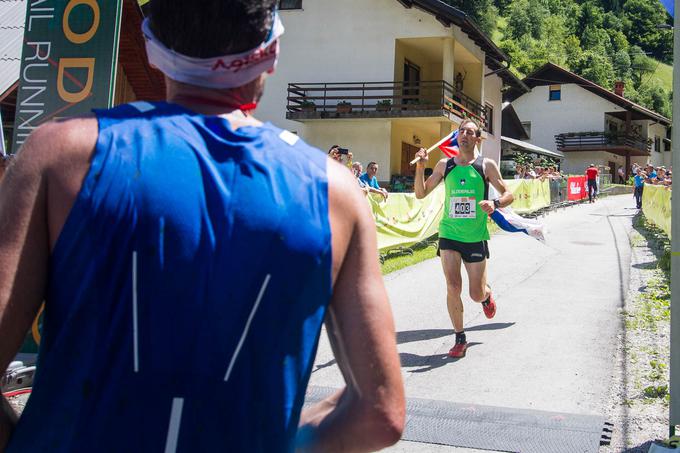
[411, 82]
[408, 153]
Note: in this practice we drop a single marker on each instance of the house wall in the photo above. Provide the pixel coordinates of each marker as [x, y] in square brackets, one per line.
[577, 162]
[368, 140]
[658, 157]
[578, 111]
[328, 42]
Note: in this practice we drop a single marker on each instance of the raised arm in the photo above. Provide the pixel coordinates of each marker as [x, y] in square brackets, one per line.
[368, 414]
[423, 188]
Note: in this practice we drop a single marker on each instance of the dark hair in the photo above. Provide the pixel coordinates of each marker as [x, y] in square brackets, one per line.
[371, 163]
[211, 28]
[471, 121]
[332, 148]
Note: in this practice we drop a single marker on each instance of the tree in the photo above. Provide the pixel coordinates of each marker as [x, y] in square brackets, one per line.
[621, 63]
[483, 12]
[597, 68]
[642, 20]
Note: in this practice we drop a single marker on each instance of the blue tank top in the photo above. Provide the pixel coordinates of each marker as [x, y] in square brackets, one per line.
[186, 290]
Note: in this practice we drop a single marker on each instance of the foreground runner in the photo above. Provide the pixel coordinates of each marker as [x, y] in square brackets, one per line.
[463, 232]
[184, 252]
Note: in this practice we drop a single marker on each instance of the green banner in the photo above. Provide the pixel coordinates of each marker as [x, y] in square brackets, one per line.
[404, 220]
[656, 206]
[68, 62]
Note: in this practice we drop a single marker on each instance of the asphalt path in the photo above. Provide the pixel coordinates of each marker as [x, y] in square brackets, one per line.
[552, 343]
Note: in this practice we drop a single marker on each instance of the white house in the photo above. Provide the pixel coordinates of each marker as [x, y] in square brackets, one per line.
[384, 78]
[588, 123]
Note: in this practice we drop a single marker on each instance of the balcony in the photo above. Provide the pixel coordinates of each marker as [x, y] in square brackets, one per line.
[613, 142]
[316, 101]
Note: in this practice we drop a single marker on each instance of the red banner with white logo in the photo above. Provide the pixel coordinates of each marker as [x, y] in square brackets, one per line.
[576, 188]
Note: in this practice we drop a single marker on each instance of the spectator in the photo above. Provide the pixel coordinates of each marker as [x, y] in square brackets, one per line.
[370, 178]
[592, 174]
[622, 175]
[519, 172]
[639, 182]
[357, 169]
[651, 174]
[338, 153]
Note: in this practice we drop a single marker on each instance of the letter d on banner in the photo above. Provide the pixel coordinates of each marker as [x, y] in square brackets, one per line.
[68, 63]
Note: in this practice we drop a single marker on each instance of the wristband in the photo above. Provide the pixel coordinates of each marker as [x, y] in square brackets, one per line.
[496, 203]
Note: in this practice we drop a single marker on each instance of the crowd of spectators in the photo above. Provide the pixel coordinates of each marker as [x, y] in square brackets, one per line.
[367, 181]
[537, 172]
[653, 175]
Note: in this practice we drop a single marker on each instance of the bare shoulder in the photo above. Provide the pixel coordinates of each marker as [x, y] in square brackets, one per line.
[343, 190]
[59, 142]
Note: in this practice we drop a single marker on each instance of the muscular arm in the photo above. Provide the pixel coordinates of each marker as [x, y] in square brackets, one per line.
[368, 414]
[36, 195]
[23, 258]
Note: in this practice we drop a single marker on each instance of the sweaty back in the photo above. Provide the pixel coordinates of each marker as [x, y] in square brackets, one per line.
[186, 290]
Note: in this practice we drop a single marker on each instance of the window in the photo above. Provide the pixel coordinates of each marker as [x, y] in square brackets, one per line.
[657, 144]
[290, 4]
[555, 93]
[527, 127]
[489, 118]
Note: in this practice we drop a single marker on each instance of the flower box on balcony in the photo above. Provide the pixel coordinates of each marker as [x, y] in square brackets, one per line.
[344, 107]
[383, 106]
[308, 106]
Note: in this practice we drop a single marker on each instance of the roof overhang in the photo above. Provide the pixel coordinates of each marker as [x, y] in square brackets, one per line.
[550, 74]
[528, 147]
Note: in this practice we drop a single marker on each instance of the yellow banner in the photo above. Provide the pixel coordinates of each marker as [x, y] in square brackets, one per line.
[403, 219]
[530, 194]
[656, 206]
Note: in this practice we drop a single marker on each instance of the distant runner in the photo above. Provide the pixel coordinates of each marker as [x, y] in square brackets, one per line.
[463, 232]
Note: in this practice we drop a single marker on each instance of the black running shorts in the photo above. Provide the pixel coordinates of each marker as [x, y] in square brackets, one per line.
[471, 252]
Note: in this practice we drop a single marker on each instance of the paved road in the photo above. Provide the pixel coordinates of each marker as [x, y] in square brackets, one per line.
[551, 344]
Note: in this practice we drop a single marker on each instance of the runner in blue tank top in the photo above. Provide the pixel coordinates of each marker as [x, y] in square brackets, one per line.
[187, 255]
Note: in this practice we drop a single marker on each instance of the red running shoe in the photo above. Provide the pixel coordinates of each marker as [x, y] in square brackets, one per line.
[458, 350]
[490, 308]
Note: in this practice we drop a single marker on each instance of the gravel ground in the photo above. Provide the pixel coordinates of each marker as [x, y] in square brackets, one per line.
[642, 355]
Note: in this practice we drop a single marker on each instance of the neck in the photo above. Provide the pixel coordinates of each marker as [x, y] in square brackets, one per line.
[208, 101]
[467, 154]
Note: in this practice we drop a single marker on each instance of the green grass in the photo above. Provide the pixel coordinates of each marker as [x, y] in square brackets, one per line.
[400, 262]
[664, 74]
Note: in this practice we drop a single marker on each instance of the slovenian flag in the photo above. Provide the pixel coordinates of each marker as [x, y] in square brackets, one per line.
[450, 146]
[507, 220]
[670, 6]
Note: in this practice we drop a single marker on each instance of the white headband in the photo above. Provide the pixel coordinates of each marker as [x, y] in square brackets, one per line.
[228, 71]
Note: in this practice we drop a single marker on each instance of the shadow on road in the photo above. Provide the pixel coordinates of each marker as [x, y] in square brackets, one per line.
[428, 362]
[409, 336]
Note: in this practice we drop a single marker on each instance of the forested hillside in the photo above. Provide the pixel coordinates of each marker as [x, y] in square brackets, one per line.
[602, 40]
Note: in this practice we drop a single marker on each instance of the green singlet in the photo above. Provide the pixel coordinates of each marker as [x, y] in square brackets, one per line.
[465, 187]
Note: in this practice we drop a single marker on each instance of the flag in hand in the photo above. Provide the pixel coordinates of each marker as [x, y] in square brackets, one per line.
[450, 145]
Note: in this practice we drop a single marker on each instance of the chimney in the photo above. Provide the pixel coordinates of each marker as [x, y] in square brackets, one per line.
[618, 87]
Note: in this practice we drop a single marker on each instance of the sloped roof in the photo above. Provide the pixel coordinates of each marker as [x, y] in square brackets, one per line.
[12, 18]
[550, 74]
[495, 57]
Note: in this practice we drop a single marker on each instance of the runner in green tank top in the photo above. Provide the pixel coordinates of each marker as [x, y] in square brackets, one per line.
[463, 233]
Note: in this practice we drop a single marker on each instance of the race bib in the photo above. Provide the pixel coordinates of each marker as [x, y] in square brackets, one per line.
[463, 208]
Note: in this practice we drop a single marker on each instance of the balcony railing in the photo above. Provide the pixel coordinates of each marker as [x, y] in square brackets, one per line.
[380, 100]
[574, 141]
